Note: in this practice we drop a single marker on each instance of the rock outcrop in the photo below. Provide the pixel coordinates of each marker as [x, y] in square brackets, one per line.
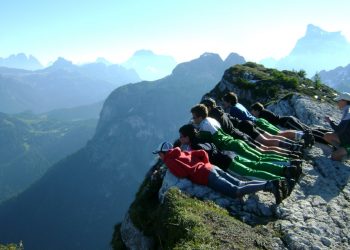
[317, 213]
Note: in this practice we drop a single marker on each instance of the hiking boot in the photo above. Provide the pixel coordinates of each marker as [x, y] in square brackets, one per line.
[284, 188]
[296, 147]
[309, 139]
[299, 172]
[290, 185]
[277, 191]
[290, 171]
[296, 162]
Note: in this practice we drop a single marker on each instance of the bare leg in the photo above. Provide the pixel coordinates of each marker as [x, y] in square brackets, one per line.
[290, 134]
[332, 138]
[278, 137]
[267, 141]
[339, 154]
[275, 148]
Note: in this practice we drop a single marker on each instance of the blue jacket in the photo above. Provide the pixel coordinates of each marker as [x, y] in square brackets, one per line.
[240, 112]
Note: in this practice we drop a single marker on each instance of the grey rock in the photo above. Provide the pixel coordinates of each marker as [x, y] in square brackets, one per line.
[317, 213]
[133, 237]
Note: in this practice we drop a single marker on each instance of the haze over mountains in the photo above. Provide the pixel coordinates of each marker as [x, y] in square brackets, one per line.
[338, 78]
[150, 66]
[30, 144]
[83, 195]
[62, 85]
[83, 189]
[21, 61]
[317, 50]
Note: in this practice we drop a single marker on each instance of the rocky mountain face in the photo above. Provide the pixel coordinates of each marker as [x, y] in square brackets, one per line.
[62, 85]
[317, 50]
[150, 66]
[315, 216]
[21, 61]
[338, 78]
[82, 196]
[30, 144]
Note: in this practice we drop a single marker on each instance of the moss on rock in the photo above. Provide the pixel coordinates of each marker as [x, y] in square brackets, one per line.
[183, 222]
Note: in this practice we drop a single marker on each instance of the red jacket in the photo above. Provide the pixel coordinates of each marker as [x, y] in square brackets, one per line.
[193, 165]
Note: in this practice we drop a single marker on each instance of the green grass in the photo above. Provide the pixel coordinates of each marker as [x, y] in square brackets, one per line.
[193, 224]
[182, 222]
[268, 85]
[11, 247]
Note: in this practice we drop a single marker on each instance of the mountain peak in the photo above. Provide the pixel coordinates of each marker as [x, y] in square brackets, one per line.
[315, 31]
[209, 54]
[205, 62]
[234, 58]
[150, 66]
[144, 52]
[317, 50]
[21, 61]
[62, 63]
[103, 61]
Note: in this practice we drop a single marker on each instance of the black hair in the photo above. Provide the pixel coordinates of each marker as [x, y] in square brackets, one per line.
[209, 102]
[189, 130]
[231, 98]
[257, 106]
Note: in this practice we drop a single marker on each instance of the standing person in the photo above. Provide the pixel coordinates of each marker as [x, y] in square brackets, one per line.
[340, 138]
[210, 130]
[196, 167]
[232, 162]
[230, 101]
[246, 131]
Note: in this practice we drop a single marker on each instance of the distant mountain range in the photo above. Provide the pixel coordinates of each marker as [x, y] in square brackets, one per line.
[146, 64]
[30, 144]
[150, 66]
[338, 78]
[62, 85]
[21, 61]
[317, 50]
[76, 204]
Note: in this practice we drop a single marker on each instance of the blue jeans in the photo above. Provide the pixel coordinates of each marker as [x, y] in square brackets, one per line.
[226, 184]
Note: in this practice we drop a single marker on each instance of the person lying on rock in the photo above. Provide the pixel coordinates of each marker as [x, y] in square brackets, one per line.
[196, 167]
[250, 134]
[291, 122]
[230, 102]
[340, 138]
[210, 131]
[229, 161]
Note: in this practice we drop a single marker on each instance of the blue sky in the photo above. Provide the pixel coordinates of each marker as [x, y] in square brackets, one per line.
[81, 31]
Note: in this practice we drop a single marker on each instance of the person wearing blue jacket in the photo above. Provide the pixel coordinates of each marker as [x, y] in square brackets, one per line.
[235, 109]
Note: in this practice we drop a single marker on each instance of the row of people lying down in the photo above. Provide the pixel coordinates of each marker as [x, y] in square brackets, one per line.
[262, 118]
[339, 137]
[274, 165]
[243, 154]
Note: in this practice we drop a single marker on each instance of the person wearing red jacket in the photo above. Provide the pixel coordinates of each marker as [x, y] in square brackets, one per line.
[195, 166]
